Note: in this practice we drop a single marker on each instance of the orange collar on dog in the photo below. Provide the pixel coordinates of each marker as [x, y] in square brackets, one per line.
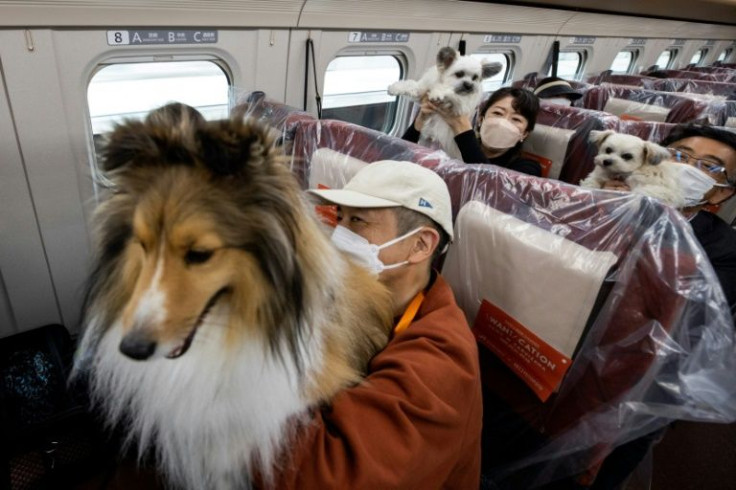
[409, 313]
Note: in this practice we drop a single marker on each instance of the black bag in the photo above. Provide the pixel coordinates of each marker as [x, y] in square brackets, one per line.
[48, 438]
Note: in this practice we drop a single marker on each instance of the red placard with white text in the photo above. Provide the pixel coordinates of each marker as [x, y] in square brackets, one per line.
[537, 363]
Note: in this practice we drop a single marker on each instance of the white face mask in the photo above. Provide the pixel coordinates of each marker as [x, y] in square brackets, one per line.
[560, 101]
[364, 252]
[694, 184]
[499, 133]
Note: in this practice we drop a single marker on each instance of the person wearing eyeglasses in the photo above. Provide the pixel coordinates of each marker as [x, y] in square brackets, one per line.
[713, 152]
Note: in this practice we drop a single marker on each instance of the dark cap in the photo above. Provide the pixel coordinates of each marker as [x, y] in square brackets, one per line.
[556, 87]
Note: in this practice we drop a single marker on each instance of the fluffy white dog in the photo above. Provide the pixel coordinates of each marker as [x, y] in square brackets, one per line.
[642, 165]
[454, 84]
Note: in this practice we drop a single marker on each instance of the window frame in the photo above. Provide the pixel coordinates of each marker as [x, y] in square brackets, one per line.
[632, 63]
[725, 54]
[394, 110]
[703, 52]
[95, 169]
[674, 52]
[510, 56]
[583, 59]
[113, 61]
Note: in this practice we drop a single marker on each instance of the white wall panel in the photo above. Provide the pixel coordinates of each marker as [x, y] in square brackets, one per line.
[26, 295]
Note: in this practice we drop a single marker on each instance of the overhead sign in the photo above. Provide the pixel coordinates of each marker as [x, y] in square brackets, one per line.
[154, 37]
[582, 40]
[378, 37]
[502, 38]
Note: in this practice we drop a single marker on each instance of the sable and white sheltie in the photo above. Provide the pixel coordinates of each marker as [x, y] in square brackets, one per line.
[218, 312]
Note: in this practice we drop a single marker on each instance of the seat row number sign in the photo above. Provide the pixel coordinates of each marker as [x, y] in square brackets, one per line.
[149, 37]
[378, 37]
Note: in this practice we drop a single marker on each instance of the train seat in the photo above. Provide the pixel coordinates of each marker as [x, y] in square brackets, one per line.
[690, 74]
[627, 318]
[646, 130]
[642, 104]
[561, 135]
[706, 87]
[722, 73]
[636, 336]
[282, 118]
[607, 77]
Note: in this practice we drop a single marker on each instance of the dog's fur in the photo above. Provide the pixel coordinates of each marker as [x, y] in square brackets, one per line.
[454, 84]
[218, 312]
[642, 165]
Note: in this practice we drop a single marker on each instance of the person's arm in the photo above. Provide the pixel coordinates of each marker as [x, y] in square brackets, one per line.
[411, 133]
[470, 148]
[413, 423]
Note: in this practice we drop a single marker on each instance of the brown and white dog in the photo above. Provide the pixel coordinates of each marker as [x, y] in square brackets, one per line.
[642, 165]
[218, 312]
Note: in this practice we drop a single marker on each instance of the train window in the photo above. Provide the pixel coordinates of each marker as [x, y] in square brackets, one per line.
[569, 65]
[495, 82]
[666, 58]
[624, 61]
[725, 54]
[698, 57]
[131, 90]
[356, 90]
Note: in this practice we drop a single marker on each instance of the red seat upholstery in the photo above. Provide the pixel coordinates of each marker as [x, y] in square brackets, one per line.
[646, 130]
[637, 361]
[621, 79]
[686, 85]
[723, 74]
[645, 104]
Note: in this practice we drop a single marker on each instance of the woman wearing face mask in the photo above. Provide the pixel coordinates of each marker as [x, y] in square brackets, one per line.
[557, 91]
[504, 121]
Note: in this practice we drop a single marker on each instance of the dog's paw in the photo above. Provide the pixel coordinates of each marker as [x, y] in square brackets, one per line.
[404, 87]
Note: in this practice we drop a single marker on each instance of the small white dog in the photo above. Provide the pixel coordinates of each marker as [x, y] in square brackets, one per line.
[454, 84]
[642, 165]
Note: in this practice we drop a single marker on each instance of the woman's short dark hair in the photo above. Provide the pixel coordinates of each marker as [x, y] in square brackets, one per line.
[524, 102]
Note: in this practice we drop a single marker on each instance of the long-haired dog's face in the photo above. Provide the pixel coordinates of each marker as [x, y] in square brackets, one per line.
[621, 154]
[200, 226]
[464, 74]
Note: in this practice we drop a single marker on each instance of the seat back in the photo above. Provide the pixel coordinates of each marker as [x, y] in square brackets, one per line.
[565, 344]
[705, 87]
[647, 105]
[561, 135]
[624, 339]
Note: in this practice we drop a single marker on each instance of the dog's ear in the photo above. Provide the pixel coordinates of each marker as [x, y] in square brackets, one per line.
[445, 58]
[655, 154]
[166, 136]
[230, 146]
[598, 137]
[490, 68]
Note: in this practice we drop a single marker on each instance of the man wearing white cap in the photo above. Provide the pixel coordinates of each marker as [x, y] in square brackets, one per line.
[416, 420]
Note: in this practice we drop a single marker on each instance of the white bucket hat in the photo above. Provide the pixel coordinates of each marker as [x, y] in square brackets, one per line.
[391, 183]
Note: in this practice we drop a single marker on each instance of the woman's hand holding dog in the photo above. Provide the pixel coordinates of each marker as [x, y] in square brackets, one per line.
[458, 123]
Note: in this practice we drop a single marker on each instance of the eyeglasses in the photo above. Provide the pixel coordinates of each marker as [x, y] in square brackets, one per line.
[711, 167]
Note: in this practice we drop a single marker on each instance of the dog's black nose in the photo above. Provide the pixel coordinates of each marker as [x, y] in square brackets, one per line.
[607, 162]
[467, 86]
[137, 345]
